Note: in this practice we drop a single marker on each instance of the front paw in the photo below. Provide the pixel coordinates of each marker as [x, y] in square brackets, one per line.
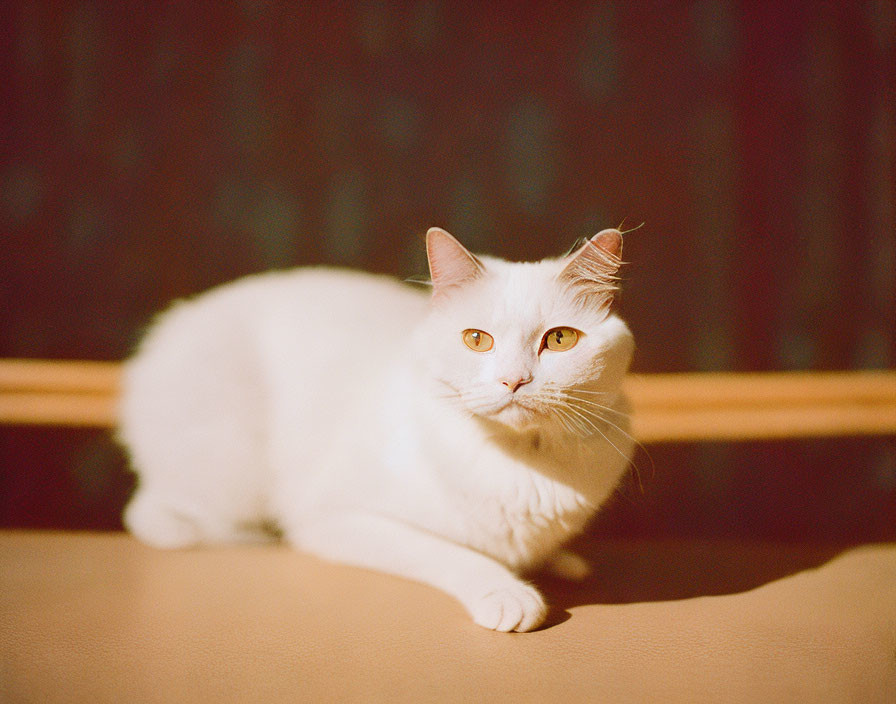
[515, 608]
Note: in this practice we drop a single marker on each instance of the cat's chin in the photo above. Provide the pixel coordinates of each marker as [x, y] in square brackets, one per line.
[515, 417]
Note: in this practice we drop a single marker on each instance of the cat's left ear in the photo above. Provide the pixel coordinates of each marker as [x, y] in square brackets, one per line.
[450, 263]
[594, 265]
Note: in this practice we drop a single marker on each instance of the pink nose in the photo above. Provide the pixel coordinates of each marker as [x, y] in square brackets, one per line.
[516, 381]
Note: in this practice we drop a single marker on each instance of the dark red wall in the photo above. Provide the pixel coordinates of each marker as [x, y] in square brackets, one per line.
[150, 150]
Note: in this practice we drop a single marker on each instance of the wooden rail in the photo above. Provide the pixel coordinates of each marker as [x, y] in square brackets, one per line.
[667, 407]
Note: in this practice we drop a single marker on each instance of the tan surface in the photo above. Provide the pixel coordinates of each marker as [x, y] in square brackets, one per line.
[100, 618]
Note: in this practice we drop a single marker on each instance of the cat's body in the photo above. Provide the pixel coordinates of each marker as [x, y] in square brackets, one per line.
[346, 410]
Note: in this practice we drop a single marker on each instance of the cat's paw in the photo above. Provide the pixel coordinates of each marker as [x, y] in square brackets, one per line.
[157, 525]
[518, 607]
[568, 565]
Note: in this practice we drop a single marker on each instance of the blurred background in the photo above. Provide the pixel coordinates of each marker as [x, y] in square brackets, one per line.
[151, 150]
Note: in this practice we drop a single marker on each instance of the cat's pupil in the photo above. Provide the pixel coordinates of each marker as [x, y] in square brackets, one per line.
[477, 338]
[559, 336]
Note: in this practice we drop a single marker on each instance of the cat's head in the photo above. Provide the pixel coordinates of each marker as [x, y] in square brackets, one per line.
[527, 344]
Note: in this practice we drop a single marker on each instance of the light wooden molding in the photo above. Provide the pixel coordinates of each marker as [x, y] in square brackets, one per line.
[683, 407]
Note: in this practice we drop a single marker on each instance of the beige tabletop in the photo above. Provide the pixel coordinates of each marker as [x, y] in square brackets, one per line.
[101, 618]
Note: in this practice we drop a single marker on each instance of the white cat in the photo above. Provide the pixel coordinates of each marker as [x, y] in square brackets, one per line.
[458, 439]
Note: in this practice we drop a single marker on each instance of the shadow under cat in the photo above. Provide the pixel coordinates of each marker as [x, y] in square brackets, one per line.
[633, 571]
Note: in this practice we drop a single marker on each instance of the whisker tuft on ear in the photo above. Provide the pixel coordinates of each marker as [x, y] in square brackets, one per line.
[593, 268]
[625, 232]
[576, 246]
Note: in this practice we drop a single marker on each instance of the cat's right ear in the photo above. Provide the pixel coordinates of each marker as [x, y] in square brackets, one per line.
[450, 263]
[592, 268]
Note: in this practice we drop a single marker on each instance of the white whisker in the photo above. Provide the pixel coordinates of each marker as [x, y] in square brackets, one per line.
[583, 414]
[601, 406]
[586, 391]
[592, 409]
[569, 422]
[562, 420]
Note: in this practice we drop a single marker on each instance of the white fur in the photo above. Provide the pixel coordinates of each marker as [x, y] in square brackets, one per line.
[345, 409]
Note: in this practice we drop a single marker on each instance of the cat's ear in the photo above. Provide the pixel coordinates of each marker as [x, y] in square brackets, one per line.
[450, 263]
[593, 266]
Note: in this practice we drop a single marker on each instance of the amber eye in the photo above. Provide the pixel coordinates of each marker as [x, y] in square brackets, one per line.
[560, 339]
[478, 341]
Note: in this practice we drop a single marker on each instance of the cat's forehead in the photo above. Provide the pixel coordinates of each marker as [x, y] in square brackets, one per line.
[523, 294]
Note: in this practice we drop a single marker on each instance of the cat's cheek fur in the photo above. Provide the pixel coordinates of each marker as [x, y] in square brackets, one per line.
[339, 408]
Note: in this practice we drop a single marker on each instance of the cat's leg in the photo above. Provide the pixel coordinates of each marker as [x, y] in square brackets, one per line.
[168, 523]
[160, 522]
[568, 565]
[493, 595]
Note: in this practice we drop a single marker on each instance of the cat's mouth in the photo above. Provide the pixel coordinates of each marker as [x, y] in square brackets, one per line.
[514, 411]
